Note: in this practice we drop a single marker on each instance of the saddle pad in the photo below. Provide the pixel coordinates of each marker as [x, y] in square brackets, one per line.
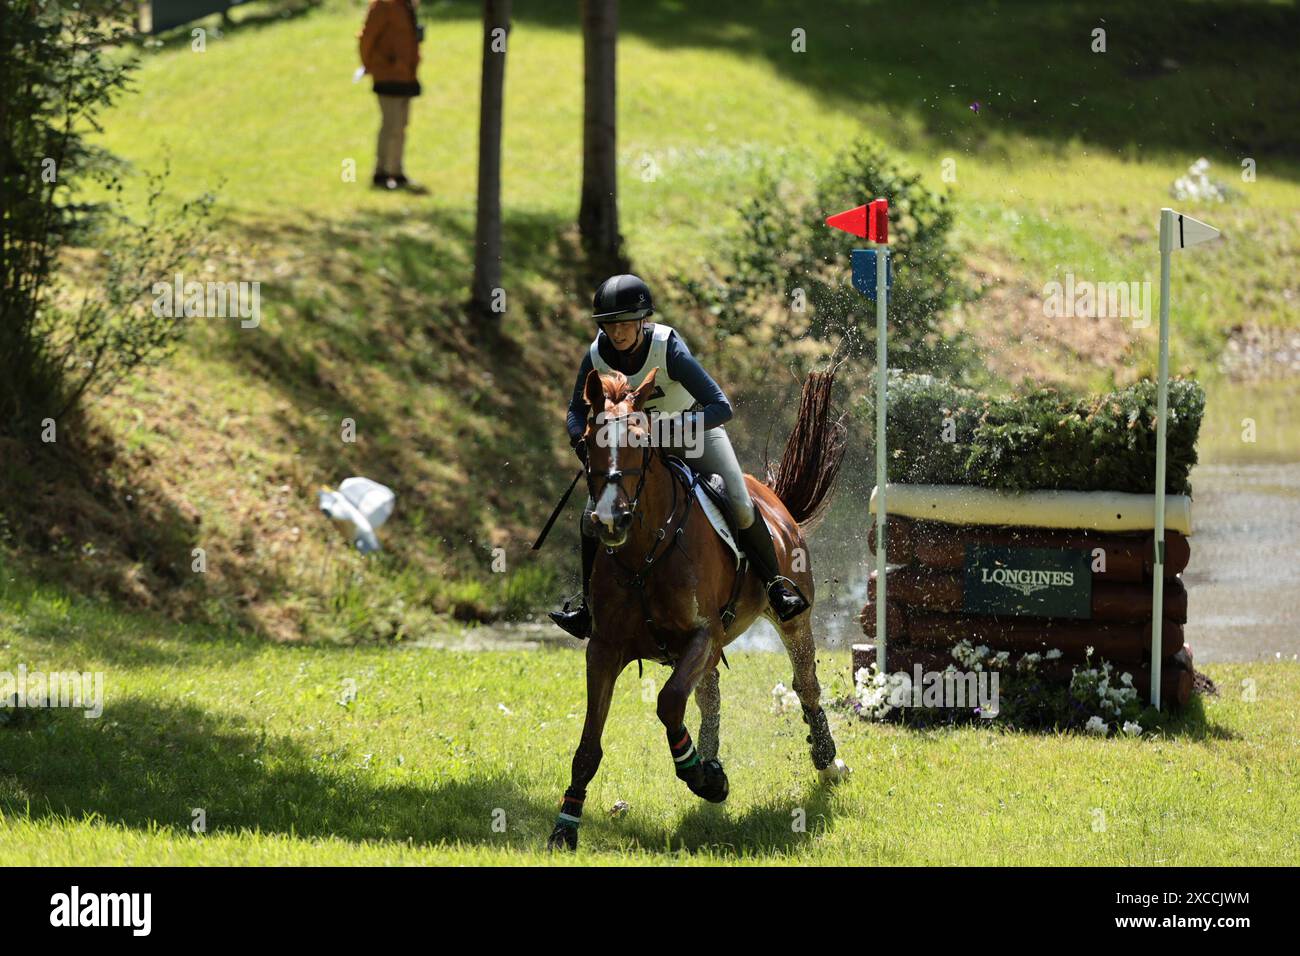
[707, 504]
[716, 519]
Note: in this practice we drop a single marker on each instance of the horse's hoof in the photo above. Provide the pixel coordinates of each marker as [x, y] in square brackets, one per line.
[706, 780]
[823, 744]
[709, 781]
[834, 773]
[563, 838]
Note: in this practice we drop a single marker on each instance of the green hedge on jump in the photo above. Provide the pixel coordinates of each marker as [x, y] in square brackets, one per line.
[940, 433]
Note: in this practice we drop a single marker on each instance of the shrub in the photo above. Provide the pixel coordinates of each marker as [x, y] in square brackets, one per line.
[939, 433]
[60, 65]
[785, 250]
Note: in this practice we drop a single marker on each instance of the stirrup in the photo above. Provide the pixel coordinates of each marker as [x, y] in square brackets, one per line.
[576, 622]
[792, 610]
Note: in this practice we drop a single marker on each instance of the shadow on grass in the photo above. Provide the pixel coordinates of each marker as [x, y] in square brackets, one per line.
[146, 765]
[149, 766]
[762, 828]
[78, 520]
[1174, 76]
[461, 417]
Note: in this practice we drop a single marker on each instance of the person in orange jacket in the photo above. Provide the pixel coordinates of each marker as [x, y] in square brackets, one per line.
[390, 53]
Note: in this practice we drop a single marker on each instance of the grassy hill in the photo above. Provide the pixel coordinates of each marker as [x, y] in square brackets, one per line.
[1061, 170]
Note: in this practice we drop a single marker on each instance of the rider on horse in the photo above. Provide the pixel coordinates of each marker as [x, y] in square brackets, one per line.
[627, 343]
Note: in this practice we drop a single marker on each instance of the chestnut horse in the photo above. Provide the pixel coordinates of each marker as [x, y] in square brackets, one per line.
[664, 579]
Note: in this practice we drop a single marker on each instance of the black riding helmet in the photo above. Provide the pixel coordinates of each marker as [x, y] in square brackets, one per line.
[622, 297]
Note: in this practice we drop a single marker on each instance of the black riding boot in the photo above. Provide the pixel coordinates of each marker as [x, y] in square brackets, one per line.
[578, 621]
[756, 541]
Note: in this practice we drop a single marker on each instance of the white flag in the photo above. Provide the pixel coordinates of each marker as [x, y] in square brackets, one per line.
[1192, 232]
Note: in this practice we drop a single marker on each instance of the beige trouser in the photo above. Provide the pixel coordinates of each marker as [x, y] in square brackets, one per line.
[395, 111]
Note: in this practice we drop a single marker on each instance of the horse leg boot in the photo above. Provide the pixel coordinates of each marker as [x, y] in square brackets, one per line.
[782, 594]
[578, 621]
[704, 777]
[603, 665]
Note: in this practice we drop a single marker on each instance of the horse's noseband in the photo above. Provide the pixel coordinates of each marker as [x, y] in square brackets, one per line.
[615, 476]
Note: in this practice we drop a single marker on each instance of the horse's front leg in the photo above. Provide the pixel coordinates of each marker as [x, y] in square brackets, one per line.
[604, 662]
[704, 776]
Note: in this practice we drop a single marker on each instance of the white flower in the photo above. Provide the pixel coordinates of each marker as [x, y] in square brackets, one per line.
[1132, 728]
[1053, 654]
[782, 699]
[1096, 725]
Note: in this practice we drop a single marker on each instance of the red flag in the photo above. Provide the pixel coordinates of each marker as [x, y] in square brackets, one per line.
[870, 222]
[851, 220]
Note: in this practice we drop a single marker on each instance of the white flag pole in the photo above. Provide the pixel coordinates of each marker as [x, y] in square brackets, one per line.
[882, 362]
[1176, 232]
[1162, 414]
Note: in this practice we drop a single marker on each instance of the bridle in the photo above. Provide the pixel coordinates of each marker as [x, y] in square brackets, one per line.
[615, 475]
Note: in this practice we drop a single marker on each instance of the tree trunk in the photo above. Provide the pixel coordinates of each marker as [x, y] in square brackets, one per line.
[598, 213]
[486, 297]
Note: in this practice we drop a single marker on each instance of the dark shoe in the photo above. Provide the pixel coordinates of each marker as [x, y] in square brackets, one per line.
[381, 181]
[576, 622]
[786, 601]
[782, 594]
[410, 187]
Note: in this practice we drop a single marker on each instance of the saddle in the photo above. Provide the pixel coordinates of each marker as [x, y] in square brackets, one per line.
[711, 493]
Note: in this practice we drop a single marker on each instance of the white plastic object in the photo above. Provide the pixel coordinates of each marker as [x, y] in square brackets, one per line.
[364, 504]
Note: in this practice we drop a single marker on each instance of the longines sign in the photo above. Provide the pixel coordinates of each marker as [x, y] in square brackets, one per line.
[1039, 582]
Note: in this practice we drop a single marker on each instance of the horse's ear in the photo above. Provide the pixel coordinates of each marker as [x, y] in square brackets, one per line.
[644, 390]
[594, 392]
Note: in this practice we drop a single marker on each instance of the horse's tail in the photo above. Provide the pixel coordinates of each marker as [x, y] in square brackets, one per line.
[805, 477]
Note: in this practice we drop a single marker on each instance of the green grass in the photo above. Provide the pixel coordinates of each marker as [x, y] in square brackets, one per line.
[414, 769]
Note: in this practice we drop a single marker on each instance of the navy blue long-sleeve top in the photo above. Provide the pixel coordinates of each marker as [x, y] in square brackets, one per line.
[681, 366]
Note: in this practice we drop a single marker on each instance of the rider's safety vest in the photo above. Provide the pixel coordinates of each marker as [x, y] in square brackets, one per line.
[668, 397]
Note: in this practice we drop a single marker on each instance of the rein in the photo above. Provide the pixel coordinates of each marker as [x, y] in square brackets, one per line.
[663, 546]
[636, 580]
